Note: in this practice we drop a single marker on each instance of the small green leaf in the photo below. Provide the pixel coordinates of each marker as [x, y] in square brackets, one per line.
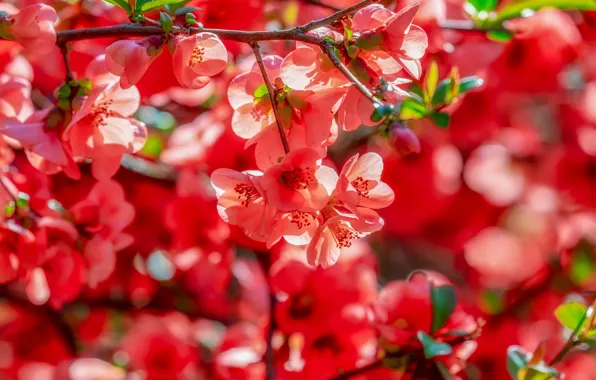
[571, 314]
[153, 146]
[430, 82]
[483, 5]
[469, 83]
[56, 206]
[9, 209]
[328, 38]
[515, 9]
[22, 199]
[369, 40]
[64, 91]
[441, 119]
[412, 109]
[167, 24]
[443, 300]
[381, 111]
[517, 359]
[122, 4]
[261, 91]
[147, 5]
[184, 10]
[582, 263]
[431, 347]
[441, 92]
[499, 36]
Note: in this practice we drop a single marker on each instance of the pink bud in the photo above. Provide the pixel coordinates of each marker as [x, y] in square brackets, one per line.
[403, 140]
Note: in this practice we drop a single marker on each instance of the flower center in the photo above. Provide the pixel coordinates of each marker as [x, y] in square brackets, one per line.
[301, 219]
[196, 56]
[299, 178]
[246, 193]
[100, 112]
[343, 234]
[362, 186]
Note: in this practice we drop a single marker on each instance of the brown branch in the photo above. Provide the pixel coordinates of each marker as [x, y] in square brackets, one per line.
[334, 17]
[329, 50]
[64, 50]
[272, 96]
[469, 26]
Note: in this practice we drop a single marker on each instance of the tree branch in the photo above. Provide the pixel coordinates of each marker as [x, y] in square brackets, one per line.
[322, 5]
[334, 17]
[328, 48]
[272, 96]
[64, 50]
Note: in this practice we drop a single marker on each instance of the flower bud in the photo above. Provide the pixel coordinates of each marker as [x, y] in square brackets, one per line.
[402, 139]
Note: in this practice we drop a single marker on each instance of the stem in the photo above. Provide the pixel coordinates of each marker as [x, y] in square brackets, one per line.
[67, 68]
[358, 371]
[334, 17]
[469, 26]
[568, 346]
[257, 50]
[328, 48]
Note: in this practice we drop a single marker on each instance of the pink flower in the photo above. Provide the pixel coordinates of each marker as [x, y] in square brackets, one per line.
[103, 215]
[299, 182]
[130, 59]
[341, 227]
[33, 27]
[240, 202]
[103, 130]
[390, 41]
[40, 137]
[248, 97]
[296, 227]
[15, 98]
[360, 182]
[198, 57]
[309, 68]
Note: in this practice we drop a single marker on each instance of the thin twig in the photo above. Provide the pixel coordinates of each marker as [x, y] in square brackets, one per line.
[328, 48]
[334, 17]
[64, 50]
[358, 371]
[322, 5]
[469, 26]
[257, 50]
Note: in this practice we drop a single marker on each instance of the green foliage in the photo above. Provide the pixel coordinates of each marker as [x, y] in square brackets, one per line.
[122, 4]
[444, 300]
[261, 92]
[571, 315]
[483, 5]
[167, 24]
[441, 119]
[515, 9]
[522, 366]
[430, 81]
[147, 5]
[431, 347]
[413, 109]
[582, 263]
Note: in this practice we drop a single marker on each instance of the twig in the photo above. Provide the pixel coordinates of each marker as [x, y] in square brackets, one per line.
[67, 68]
[469, 26]
[328, 48]
[358, 371]
[322, 5]
[334, 17]
[257, 50]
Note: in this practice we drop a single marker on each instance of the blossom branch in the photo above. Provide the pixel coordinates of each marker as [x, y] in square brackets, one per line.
[334, 17]
[272, 96]
[64, 50]
[329, 50]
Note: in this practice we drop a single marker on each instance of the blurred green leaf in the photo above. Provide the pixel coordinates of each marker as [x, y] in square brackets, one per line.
[582, 263]
[483, 5]
[469, 83]
[122, 4]
[431, 347]
[503, 36]
[515, 9]
[571, 314]
[441, 119]
[444, 371]
[412, 109]
[261, 91]
[430, 82]
[166, 22]
[517, 359]
[147, 5]
[444, 300]
[184, 10]
[153, 146]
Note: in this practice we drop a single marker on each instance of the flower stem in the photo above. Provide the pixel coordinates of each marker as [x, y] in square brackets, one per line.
[64, 50]
[358, 371]
[257, 50]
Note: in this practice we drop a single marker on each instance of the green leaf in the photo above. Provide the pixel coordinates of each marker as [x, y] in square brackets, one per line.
[412, 109]
[443, 300]
[431, 347]
[515, 9]
[166, 22]
[9, 209]
[184, 10]
[191, 19]
[444, 371]
[430, 82]
[261, 91]
[441, 119]
[498, 36]
[483, 5]
[571, 314]
[441, 92]
[122, 4]
[517, 359]
[147, 5]
[153, 146]
[582, 263]
[23, 199]
[64, 91]
[469, 83]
